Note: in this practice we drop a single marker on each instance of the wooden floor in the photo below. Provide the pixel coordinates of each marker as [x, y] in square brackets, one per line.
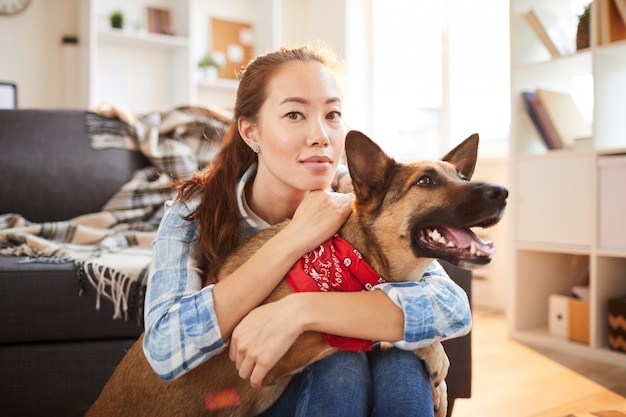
[512, 380]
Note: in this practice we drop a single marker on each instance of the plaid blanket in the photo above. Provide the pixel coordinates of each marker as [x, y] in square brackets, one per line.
[111, 249]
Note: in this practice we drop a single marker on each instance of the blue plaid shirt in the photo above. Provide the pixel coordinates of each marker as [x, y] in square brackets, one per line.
[181, 326]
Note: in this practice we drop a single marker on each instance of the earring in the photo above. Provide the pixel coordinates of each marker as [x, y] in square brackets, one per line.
[256, 148]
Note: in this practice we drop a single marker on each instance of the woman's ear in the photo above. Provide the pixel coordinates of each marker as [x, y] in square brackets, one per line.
[248, 132]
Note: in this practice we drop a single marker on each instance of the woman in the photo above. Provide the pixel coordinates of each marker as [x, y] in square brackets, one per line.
[278, 161]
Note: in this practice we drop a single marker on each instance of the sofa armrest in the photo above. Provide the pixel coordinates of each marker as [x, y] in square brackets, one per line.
[459, 350]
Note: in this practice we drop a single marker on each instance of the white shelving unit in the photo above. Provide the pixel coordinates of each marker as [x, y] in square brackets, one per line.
[559, 198]
[148, 71]
[132, 66]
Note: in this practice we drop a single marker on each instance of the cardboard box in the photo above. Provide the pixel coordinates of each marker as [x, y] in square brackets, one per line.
[578, 320]
[558, 310]
[617, 324]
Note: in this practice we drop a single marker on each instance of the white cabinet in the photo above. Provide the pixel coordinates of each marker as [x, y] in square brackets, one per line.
[552, 196]
[567, 206]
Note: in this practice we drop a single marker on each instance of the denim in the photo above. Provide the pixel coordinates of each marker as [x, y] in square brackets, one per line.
[380, 383]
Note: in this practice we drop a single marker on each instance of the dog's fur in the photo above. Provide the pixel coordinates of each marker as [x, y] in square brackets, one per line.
[396, 207]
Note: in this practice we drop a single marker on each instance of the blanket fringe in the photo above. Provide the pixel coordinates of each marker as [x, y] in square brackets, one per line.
[110, 284]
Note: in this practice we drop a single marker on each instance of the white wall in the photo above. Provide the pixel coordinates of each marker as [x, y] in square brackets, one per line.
[31, 53]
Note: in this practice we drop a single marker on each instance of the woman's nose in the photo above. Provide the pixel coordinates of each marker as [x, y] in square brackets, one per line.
[318, 135]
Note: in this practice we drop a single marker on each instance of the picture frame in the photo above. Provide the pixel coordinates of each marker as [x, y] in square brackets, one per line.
[159, 21]
[8, 95]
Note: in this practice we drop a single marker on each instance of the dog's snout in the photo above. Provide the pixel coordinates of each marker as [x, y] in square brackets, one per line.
[495, 192]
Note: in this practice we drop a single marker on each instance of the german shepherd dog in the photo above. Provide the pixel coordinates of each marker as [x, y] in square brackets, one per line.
[404, 216]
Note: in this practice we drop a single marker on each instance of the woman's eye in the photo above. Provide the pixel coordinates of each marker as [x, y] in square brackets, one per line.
[293, 115]
[333, 115]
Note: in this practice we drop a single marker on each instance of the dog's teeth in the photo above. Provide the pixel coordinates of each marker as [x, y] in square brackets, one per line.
[437, 237]
[451, 244]
[473, 248]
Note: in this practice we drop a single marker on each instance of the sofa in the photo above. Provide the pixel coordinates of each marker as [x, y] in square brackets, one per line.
[56, 349]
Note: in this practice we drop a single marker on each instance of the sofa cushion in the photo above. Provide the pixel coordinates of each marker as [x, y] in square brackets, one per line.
[41, 302]
[56, 379]
[49, 170]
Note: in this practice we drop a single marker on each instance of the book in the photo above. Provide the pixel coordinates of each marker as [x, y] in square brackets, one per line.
[542, 34]
[620, 6]
[540, 119]
[617, 14]
[563, 114]
[612, 25]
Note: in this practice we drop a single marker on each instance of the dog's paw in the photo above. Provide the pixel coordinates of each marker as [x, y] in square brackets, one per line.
[440, 399]
[437, 365]
[436, 361]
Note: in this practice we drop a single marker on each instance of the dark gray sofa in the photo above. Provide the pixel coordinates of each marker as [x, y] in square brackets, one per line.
[56, 349]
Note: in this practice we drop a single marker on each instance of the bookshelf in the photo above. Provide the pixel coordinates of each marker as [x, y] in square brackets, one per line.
[150, 71]
[122, 66]
[566, 205]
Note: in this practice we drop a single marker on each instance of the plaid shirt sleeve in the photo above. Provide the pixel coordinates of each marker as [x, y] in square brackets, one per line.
[181, 325]
[435, 308]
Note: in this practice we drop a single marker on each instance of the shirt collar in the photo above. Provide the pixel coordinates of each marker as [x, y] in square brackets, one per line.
[253, 222]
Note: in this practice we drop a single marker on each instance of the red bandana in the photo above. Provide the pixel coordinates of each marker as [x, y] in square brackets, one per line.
[334, 266]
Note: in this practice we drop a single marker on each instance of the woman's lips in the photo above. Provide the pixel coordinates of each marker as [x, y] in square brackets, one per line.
[318, 163]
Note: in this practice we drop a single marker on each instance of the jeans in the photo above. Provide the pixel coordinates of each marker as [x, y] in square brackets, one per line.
[380, 383]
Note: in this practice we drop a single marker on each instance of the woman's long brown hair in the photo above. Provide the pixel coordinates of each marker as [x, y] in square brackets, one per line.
[217, 217]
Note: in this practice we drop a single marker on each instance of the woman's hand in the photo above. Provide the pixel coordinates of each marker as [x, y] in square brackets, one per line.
[318, 217]
[262, 338]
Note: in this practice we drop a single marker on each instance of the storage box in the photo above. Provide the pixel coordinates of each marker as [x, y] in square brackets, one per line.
[558, 321]
[612, 202]
[578, 320]
[617, 324]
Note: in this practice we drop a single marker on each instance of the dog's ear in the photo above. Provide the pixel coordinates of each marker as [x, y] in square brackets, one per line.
[464, 156]
[368, 164]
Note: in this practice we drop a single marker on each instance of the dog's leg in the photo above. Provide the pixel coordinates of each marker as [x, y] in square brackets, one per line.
[437, 364]
[308, 348]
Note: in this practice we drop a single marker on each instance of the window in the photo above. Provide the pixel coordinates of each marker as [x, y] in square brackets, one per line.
[439, 72]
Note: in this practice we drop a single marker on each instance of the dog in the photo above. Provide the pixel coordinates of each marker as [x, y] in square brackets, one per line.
[404, 216]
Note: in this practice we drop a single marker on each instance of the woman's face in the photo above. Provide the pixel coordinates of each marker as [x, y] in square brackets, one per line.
[299, 129]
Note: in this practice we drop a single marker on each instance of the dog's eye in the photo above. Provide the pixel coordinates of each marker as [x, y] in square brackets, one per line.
[425, 180]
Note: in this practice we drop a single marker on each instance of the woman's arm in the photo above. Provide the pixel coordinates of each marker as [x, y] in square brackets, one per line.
[411, 314]
[435, 308]
[187, 324]
[317, 219]
[176, 305]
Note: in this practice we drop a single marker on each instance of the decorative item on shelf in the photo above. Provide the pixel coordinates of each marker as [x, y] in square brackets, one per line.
[234, 40]
[583, 30]
[578, 320]
[117, 19]
[159, 21]
[209, 66]
[617, 323]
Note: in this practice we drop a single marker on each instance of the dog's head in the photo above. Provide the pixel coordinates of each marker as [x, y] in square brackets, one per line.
[423, 209]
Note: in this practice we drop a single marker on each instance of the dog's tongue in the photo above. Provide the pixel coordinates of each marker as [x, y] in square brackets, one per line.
[464, 237]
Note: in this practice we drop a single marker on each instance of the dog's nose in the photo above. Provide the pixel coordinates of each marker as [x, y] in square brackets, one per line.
[495, 192]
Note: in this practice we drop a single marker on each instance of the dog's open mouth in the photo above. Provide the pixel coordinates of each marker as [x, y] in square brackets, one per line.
[457, 242]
